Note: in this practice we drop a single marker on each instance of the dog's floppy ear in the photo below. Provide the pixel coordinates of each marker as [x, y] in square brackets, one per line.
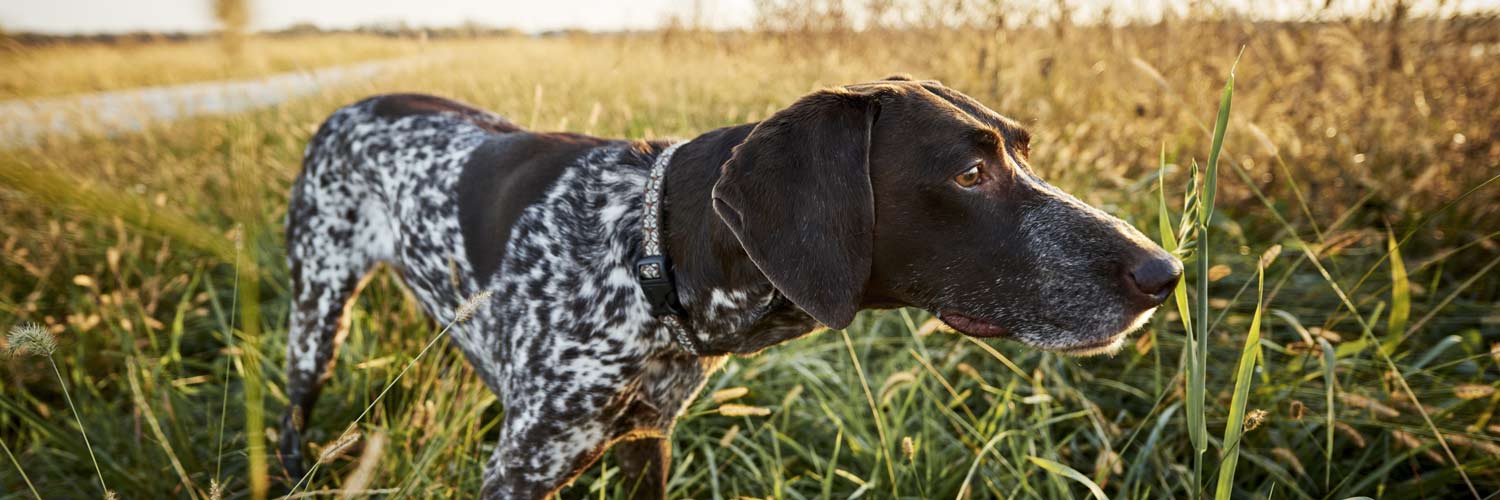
[797, 195]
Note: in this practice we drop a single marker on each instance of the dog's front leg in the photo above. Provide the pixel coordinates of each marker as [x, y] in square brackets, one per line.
[644, 465]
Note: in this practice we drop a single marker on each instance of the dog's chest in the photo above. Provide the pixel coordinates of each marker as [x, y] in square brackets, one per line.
[566, 298]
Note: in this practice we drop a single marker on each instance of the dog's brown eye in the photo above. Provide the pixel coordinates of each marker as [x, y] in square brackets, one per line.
[969, 178]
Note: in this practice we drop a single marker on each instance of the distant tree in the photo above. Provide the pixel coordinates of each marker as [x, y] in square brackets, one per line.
[302, 28]
[878, 14]
[1064, 18]
[1398, 14]
[234, 18]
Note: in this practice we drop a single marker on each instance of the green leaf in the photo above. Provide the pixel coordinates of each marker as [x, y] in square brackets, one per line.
[1234, 429]
[1169, 242]
[1198, 341]
[1400, 297]
[1220, 126]
[1330, 384]
[1070, 473]
[1163, 218]
[833, 463]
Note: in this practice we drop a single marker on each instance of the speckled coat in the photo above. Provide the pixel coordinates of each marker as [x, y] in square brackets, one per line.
[774, 228]
[564, 335]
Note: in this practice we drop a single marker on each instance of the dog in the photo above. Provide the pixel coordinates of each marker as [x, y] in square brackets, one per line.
[607, 278]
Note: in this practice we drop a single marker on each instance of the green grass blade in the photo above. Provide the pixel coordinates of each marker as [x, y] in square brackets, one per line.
[1197, 427]
[1234, 429]
[1330, 383]
[885, 449]
[1163, 219]
[833, 464]
[1400, 378]
[1198, 342]
[1169, 241]
[254, 383]
[1221, 124]
[964, 490]
[1070, 473]
[19, 470]
[1400, 297]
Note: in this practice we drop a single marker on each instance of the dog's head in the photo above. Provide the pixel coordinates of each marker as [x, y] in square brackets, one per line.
[908, 193]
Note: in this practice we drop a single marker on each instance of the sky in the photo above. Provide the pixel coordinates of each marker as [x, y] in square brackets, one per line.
[102, 16]
[113, 16]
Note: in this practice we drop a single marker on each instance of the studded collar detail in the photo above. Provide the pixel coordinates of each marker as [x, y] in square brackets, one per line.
[654, 268]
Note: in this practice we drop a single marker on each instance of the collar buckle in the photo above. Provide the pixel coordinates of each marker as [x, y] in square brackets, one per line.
[655, 275]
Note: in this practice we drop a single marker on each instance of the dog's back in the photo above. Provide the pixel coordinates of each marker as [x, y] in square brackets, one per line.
[448, 195]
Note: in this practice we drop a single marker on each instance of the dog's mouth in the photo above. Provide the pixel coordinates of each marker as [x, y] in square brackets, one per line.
[972, 327]
[1108, 345]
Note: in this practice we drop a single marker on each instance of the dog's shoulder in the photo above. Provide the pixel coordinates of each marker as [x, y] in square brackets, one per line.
[507, 174]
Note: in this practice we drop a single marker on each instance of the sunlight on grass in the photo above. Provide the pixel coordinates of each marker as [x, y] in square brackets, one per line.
[156, 260]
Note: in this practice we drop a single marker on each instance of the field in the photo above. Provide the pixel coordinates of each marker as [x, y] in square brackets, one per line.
[1366, 182]
[73, 68]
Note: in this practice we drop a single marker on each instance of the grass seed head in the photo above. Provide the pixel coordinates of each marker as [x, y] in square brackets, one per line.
[895, 381]
[1288, 457]
[85, 281]
[1349, 432]
[1218, 272]
[1465, 441]
[1374, 406]
[338, 447]
[468, 308]
[1473, 391]
[1412, 441]
[31, 338]
[730, 394]
[1297, 410]
[1269, 256]
[734, 410]
[1254, 419]
[791, 395]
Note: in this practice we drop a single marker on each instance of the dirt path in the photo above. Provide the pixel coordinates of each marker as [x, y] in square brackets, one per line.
[24, 121]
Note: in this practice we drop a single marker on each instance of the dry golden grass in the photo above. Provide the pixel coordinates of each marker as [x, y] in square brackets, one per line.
[1337, 142]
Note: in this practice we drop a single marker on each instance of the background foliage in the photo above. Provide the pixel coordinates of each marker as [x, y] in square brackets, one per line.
[1347, 138]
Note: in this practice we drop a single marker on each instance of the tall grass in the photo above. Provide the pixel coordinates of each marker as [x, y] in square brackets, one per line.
[125, 248]
[32, 339]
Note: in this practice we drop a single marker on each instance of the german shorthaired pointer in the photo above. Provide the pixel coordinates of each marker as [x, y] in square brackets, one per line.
[884, 194]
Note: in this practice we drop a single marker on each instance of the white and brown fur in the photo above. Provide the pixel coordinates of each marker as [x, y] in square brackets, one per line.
[460, 201]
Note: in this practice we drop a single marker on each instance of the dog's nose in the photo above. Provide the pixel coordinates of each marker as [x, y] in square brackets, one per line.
[1156, 276]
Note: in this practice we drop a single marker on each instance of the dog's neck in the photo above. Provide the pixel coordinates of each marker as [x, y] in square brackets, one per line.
[732, 306]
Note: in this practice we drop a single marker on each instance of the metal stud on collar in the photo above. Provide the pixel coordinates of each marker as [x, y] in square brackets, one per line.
[654, 269]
